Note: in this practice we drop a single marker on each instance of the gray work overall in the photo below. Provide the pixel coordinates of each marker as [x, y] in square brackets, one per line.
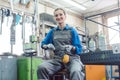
[60, 39]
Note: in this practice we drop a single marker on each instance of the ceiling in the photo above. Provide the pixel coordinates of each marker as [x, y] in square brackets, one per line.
[92, 6]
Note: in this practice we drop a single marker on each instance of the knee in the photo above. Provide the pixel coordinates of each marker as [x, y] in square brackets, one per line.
[75, 71]
[77, 74]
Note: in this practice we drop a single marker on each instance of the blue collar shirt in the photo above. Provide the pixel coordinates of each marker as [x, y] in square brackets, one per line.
[75, 38]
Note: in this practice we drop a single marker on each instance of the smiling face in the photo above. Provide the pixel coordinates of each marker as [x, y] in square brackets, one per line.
[60, 16]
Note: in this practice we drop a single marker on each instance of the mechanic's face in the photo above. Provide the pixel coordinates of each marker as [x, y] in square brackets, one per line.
[60, 16]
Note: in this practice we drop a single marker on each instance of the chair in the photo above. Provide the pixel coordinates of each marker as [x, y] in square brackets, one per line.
[61, 75]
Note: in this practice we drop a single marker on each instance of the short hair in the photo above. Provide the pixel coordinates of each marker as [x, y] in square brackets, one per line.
[60, 9]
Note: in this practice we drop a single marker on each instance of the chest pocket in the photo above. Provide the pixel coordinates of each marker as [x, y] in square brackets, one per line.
[61, 38]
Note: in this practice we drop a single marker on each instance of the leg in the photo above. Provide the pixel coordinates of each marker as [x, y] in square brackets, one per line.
[75, 67]
[48, 68]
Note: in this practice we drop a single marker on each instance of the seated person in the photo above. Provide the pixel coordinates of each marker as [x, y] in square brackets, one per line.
[65, 42]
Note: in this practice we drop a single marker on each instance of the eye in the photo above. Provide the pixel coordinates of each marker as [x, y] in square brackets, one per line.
[56, 15]
[61, 14]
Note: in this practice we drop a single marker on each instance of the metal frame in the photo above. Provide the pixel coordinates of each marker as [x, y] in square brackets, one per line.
[88, 18]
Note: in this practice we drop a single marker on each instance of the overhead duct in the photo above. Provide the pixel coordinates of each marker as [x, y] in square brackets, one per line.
[47, 17]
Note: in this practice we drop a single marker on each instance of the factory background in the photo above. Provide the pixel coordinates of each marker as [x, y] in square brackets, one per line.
[25, 23]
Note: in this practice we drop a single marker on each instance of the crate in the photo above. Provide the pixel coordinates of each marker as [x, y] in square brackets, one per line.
[24, 68]
[8, 68]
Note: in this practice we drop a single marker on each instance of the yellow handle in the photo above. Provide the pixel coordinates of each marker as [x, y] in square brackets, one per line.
[66, 59]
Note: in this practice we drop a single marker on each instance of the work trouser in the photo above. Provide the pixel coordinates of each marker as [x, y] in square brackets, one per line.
[50, 67]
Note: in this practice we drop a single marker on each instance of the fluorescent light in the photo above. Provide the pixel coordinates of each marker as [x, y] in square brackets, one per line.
[75, 4]
[68, 2]
[54, 3]
[66, 8]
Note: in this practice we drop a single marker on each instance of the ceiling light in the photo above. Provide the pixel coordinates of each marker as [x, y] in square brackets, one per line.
[75, 4]
[66, 8]
[52, 2]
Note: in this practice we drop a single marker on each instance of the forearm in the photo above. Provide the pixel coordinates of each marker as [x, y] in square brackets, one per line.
[78, 49]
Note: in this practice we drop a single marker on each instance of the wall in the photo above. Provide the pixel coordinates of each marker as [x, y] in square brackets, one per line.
[72, 19]
[92, 27]
[17, 7]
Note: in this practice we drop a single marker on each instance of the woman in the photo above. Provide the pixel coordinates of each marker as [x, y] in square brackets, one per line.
[64, 40]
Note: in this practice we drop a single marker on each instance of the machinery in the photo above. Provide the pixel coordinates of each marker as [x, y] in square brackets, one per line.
[107, 57]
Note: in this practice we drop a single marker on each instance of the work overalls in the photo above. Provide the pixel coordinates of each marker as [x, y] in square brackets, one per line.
[75, 66]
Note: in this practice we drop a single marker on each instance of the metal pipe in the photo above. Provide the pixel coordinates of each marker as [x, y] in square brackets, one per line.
[86, 33]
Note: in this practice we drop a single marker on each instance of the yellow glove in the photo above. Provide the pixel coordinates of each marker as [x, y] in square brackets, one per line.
[66, 58]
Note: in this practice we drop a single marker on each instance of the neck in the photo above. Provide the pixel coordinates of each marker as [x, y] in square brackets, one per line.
[62, 25]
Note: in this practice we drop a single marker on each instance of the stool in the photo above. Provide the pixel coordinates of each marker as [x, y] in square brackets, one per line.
[61, 75]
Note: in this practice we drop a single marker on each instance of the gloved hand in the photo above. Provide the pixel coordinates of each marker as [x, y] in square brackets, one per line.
[49, 46]
[68, 48]
[66, 59]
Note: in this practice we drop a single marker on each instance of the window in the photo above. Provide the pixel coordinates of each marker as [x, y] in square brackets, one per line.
[114, 35]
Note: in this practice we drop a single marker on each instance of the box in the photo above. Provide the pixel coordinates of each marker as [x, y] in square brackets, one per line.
[26, 69]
